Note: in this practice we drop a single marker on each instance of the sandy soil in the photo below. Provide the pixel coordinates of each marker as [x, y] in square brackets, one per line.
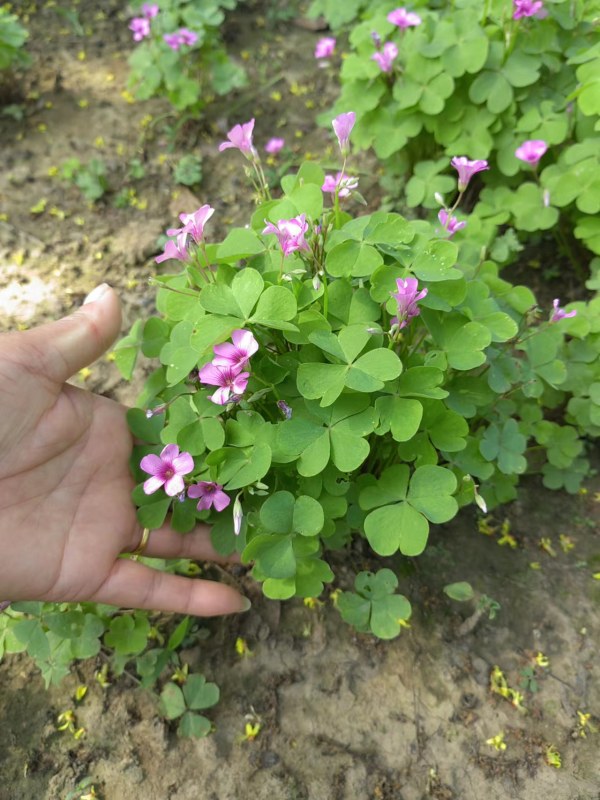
[343, 717]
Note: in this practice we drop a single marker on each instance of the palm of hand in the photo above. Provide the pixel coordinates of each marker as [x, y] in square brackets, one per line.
[66, 513]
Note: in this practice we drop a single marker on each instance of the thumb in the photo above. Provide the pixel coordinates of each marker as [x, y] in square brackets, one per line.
[64, 347]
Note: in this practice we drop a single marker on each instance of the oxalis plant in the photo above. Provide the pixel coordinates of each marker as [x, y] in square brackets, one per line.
[324, 377]
[441, 78]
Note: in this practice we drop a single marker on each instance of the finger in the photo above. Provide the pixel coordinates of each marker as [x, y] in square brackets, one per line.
[61, 348]
[134, 585]
[167, 543]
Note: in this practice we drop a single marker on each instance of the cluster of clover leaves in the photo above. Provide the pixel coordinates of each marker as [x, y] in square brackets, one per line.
[470, 78]
[381, 435]
[179, 53]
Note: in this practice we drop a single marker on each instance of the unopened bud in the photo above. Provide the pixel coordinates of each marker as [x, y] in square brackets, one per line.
[238, 515]
[546, 198]
[284, 408]
[439, 198]
[376, 40]
[316, 282]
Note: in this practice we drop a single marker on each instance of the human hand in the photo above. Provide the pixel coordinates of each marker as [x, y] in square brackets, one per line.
[65, 508]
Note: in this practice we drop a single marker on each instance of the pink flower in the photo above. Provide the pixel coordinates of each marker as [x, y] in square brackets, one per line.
[140, 28]
[235, 355]
[404, 19]
[342, 126]
[466, 169]
[209, 494]
[149, 10]
[450, 223]
[167, 470]
[325, 47]
[386, 57]
[531, 151]
[193, 223]
[175, 249]
[559, 313]
[240, 137]
[346, 184]
[230, 380]
[407, 297]
[526, 8]
[274, 145]
[290, 233]
[181, 37]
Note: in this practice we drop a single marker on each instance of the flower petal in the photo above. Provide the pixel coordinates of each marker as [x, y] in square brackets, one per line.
[151, 464]
[169, 452]
[183, 464]
[153, 484]
[174, 485]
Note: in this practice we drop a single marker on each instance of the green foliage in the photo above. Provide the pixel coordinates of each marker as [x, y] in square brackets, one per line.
[12, 42]
[89, 178]
[192, 75]
[182, 703]
[472, 81]
[188, 170]
[374, 607]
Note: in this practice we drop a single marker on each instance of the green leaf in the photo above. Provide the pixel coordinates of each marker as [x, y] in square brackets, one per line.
[126, 350]
[436, 262]
[199, 694]
[247, 287]
[430, 493]
[386, 615]
[253, 464]
[381, 363]
[308, 516]
[389, 488]
[505, 445]
[397, 527]
[347, 450]
[277, 512]
[325, 381]
[352, 258]
[128, 634]
[275, 304]
[400, 415]
[171, 704]
[153, 515]
[219, 299]
[273, 554]
[194, 725]
[464, 347]
[240, 243]
[461, 591]
[147, 430]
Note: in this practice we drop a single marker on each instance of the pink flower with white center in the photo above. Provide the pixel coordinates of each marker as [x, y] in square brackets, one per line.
[346, 184]
[274, 145]
[466, 169]
[404, 19]
[167, 470]
[149, 10]
[290, 233]
[407, 297]
[342, 126]
[238, 354]
[450, 223]
[531, 151]
[194, 223]
[559, 313]
[526, 8]
[385, 58]
[240, 137]
[325, 47]
[174, 249]
[209, 494]
[140, 27]
[230, 380]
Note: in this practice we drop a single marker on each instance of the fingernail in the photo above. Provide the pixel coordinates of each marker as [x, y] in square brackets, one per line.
[246, 605]
[96, 293]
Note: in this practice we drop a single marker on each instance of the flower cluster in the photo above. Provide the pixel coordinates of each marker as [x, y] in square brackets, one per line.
[342, 184]
[193, 225]
[140, 26]
[180, 38]
[167, 470]
[527, 8]
[385, 58]
[325, 47]
[226, 370]
[290, 233]
[407, 297]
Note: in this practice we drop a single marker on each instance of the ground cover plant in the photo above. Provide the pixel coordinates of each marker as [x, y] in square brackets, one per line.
[483, 78]
[179, 54]
[309, 283]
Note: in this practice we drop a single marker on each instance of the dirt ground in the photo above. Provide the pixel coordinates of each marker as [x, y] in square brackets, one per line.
[343, 716]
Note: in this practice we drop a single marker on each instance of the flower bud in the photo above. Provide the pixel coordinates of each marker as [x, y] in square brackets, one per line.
[238, 515]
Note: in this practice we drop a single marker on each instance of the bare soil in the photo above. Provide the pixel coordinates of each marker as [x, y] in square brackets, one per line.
[343, 716]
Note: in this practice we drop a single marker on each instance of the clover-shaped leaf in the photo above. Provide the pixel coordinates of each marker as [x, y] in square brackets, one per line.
[374, 607]
[505, 445]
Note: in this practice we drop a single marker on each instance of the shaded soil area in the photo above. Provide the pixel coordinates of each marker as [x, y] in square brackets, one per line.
[342, 716]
